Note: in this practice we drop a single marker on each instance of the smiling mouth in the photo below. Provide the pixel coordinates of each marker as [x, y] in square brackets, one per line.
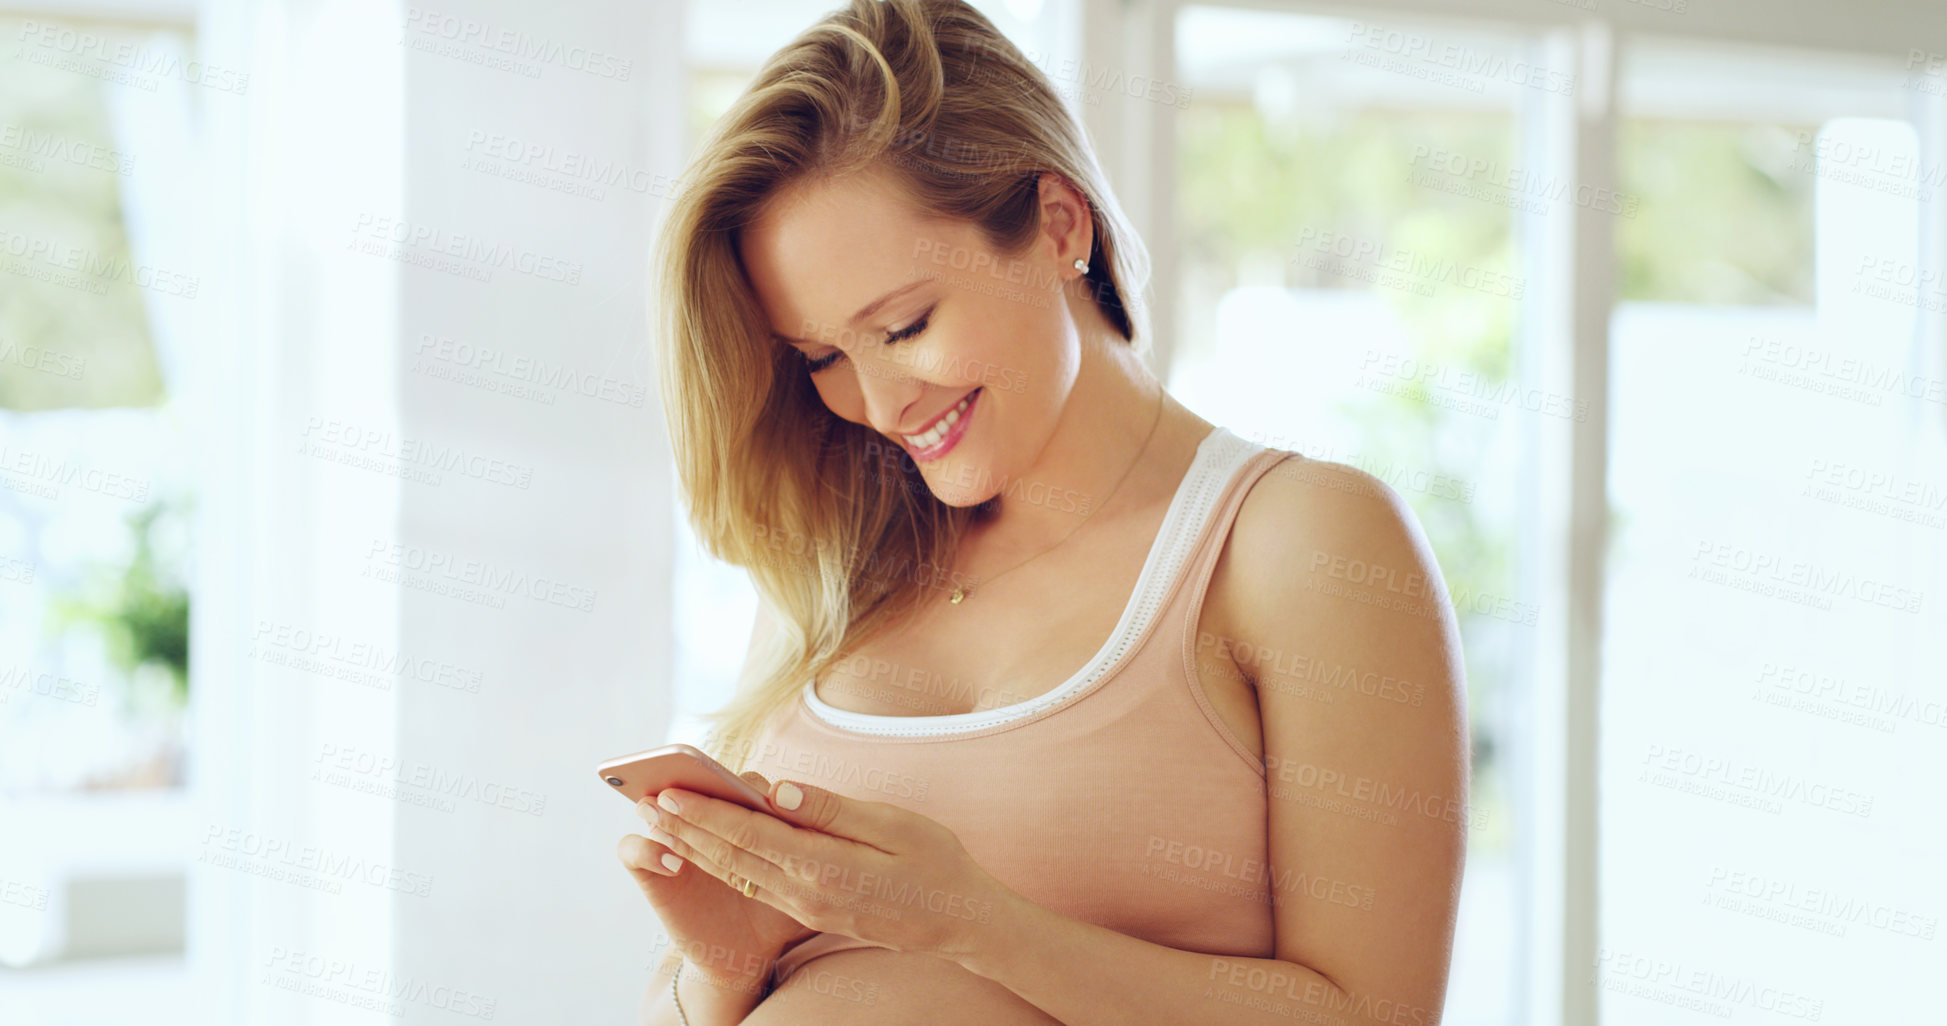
[922, 444]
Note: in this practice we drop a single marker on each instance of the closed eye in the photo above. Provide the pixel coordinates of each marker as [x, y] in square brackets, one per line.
[909, 331]
[912, 329]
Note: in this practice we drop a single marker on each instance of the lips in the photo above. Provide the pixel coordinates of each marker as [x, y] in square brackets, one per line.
[942, 432]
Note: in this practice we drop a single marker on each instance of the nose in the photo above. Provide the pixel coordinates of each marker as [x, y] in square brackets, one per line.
[888, 390]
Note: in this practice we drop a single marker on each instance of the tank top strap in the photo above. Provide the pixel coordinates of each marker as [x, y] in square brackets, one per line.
[1209, 545]
[1180, 618]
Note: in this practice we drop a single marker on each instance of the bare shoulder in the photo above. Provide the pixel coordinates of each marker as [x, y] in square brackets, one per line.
[1331, 569]
[1324, 500]
[1311, 530]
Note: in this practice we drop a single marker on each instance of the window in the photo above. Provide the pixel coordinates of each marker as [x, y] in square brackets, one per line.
[96, 495]
[1350, 289]
[1776, 558]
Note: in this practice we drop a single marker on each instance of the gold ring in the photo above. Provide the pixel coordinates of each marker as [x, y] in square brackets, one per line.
[749, 889]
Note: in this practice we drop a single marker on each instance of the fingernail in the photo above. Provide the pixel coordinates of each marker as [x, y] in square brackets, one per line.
[789, 796]
[649, 813]
[667, 801]
[657, 835]
[672, 862]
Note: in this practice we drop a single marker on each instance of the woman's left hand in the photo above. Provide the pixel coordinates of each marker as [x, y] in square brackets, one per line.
[869, 870]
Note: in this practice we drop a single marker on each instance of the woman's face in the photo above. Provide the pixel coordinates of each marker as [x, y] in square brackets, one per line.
[909, 324]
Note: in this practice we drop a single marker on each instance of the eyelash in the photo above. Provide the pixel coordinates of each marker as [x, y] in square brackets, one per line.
[901, 335]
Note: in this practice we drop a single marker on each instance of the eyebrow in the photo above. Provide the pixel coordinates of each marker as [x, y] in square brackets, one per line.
[865, 311]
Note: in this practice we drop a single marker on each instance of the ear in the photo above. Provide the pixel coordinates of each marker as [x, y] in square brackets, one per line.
[1067, 223]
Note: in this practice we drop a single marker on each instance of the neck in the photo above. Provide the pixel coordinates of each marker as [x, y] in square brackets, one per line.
[1104, 430]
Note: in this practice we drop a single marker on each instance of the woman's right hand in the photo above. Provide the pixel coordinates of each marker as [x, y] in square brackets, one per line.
[719, 931]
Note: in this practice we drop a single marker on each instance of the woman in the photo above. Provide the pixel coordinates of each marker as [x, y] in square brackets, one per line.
[901, 358]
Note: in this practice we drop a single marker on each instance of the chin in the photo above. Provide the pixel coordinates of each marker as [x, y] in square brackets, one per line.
[961, 499]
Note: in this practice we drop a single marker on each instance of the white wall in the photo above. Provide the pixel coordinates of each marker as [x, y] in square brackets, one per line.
[480, 843]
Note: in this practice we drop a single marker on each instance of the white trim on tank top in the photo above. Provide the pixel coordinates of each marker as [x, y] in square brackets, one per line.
[1218, 456]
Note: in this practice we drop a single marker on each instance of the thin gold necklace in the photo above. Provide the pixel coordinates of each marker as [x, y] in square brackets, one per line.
[960, 593]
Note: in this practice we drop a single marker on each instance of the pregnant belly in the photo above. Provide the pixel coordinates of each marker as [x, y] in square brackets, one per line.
[877, 987]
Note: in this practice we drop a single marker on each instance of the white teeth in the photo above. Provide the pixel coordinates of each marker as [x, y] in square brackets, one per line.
[938, 431]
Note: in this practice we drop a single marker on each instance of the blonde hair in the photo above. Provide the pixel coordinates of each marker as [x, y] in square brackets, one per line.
[840, 538]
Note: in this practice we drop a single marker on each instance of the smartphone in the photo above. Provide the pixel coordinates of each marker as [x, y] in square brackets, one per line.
[644, 774]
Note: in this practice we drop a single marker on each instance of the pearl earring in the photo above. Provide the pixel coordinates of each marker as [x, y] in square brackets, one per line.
[1080, 264]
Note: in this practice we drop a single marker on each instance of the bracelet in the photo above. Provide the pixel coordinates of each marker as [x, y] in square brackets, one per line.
[676, 996]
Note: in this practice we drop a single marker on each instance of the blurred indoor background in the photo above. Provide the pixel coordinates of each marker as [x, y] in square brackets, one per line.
[338, 536]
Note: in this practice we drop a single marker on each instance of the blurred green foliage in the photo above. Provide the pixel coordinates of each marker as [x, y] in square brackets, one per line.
[142, 610]
[63, 345]
[1724, 217]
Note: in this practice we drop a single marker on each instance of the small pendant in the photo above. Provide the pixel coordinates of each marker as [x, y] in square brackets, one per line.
[958, 595]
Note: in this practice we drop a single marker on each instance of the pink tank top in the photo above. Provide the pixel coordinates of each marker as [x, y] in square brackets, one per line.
[1120, 797]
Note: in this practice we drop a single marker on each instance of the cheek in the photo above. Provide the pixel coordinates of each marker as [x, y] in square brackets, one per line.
[1022, 346]
[840, 392]
[1006, 335]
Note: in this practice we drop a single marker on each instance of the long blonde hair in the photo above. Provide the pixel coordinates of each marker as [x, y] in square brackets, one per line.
[840, 540]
